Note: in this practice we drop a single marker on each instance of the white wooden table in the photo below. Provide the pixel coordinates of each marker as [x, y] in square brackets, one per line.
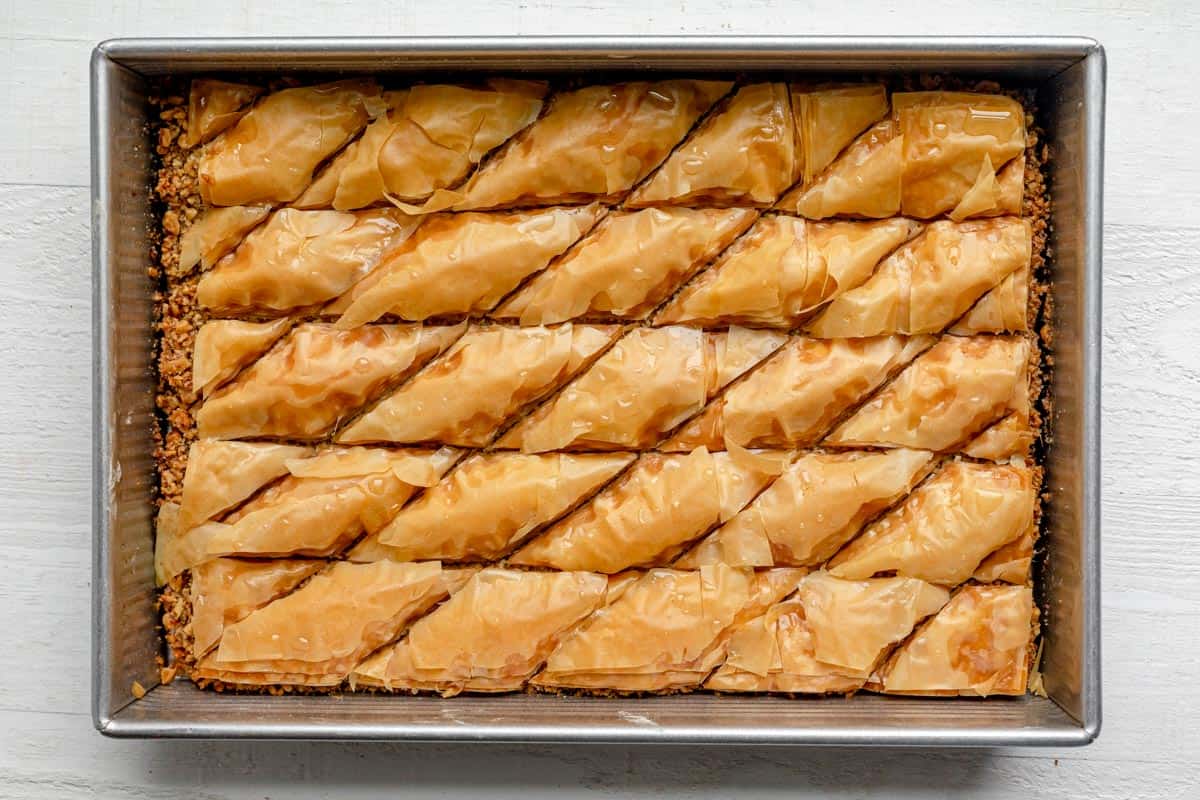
[1150, 745]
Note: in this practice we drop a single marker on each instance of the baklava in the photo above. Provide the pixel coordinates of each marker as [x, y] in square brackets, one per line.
[727, 385]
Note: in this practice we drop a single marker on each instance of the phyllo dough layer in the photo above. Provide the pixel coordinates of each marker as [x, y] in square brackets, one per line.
[491, 636]
[818, 503]
[795, 397]
[481, 382]
[316, 635]
[978, 644]
[645, 518]
[429, 138]
[828, 638]
[270, 154]
[477, 384]
[956, 154]
[666, 631]
[317, 377]
[490, 503]
[649, 382]
[592, 143]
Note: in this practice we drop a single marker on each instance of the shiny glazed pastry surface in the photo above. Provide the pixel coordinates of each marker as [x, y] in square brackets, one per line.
[828, 637]
[650, 381]
[643, 387]
[485, 378]
[491, 636]
[429, 138]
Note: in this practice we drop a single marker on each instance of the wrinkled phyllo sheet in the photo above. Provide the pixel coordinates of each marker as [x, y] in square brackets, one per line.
[491, 636]
[648, 386]
[937, 153]
[829, 637]
[319, 633]
[667, 631]
[978, 644]
[662, 503]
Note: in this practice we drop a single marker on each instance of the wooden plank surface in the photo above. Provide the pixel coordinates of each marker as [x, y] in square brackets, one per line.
[1150, 746]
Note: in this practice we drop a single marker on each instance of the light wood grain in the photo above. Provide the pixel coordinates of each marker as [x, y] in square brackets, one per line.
[1150, 746]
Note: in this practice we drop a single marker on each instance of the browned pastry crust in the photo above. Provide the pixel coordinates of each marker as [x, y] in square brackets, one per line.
[583, 521]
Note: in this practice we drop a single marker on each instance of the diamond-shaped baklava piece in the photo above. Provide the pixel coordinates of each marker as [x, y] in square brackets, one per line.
[797, 395]
[430, 138]
[216, 232]
[819, 502]
[302, 258]
[224, 346]
[667, 631]
[227, 590]
[948, 394]
[270, 154]
[220, 475]
[1011, 563]
[629, 264]
[177, 549]
[1004, 309]
[952, 153]
[829, 638]
[489, 504]
[317, 634]
[1009, 437]
[784, 269]
[829, 118]
[318, 376]
[932, 281]
[327, 501]
[978, 644]
[954, 142]
[595, 142]
[644, 518]
[214, 106]
[463, 264]
[864, 181]
[649, 382]
[947, 526]
[744, 153]
[490, 636]
[481, 382]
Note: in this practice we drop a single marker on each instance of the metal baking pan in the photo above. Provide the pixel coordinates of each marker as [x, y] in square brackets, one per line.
[1069, 76]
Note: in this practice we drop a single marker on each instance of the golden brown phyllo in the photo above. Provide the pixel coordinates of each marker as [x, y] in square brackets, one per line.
[937, 153]
[829, 637]
[648, 386]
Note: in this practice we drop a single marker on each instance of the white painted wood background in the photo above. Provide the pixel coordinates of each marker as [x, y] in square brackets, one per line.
[1150, 745]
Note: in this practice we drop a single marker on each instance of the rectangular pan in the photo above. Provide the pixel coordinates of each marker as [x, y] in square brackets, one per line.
[1069, 76]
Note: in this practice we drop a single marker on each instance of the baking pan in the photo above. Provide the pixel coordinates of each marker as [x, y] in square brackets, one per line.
[1069, 76]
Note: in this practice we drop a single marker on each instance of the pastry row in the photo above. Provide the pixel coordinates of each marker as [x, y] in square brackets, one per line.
[423, 627]
[674, 265]
[861, 514]
[820, 151]
[598, 387]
